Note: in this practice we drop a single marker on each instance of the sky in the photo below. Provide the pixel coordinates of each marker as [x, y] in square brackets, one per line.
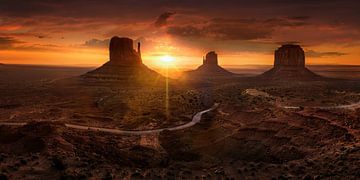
[77, 32]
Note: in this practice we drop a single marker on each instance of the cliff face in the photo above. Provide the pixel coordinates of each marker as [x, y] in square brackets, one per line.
[122, 52]
[289, 64]
[124, 64]
[289, 55]
[211, 59]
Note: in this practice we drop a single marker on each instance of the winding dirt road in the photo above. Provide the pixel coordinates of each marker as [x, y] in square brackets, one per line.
[196, 119]
[255, 92]
[352, 106]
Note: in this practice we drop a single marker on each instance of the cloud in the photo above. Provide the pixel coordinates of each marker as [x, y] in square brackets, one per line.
[235, 28]
[287, 42]
[96, 43]
[162, 20]
[287, 21]
[312, 53]
[300, 18]
[329, 11]
[223, 29]
[8, 42]
[42, 36]
[11, 43]
[232, 26]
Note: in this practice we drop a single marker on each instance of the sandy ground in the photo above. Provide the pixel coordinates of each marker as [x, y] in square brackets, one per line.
[249, 136]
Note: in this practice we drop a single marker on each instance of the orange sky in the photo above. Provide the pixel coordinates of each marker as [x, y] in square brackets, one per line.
[76, 33]
[95, 57]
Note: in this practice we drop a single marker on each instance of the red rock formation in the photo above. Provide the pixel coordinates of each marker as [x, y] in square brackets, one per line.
[289, 55]
[210, 67]
[210, 59]
[289, 63]
[122, 52]
[125, 64]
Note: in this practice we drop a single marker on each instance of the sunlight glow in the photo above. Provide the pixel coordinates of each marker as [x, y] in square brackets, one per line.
[167, 59]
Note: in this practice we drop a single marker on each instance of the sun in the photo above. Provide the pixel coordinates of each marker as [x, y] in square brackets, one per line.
[167, 59]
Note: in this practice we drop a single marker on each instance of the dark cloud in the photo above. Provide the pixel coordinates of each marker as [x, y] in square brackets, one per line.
[287, 22]
[234, 29]
[42, 36]
[307, 21]
[312, 53]
[125, 9]
[129, 11]
[96, 43]
[287, 42]
[186, 31]
[114, 9]
[11, 43]
[163, 18]
[299, 18]
[220, 31]
[7, 42]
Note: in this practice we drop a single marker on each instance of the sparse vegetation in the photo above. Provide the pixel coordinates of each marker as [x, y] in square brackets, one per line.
[249, 135]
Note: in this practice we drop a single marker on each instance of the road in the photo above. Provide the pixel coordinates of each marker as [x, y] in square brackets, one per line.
[352, 106]
[196, 119]
[255, 92]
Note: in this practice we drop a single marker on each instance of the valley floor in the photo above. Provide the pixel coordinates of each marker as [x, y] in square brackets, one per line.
[260, 130]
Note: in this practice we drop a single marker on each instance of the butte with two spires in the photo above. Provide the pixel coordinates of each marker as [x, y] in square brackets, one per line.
[125, 64]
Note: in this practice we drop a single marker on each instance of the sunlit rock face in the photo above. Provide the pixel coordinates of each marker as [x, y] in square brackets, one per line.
[289, 64]
[124, 64]
[210, 67]
[122, 52]
[289, 55]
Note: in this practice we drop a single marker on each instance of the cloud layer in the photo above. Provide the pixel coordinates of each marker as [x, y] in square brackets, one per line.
[183, 26]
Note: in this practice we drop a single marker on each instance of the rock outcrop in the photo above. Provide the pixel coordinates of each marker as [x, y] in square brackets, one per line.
[289, 55]
[122, 52]
[289, 63]
[210, 67]
[124, 64]
[211, 59]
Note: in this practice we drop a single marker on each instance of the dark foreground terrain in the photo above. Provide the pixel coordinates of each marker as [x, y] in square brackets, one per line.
[261, 129]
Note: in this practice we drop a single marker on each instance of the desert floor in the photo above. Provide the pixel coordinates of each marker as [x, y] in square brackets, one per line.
[260, 130]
